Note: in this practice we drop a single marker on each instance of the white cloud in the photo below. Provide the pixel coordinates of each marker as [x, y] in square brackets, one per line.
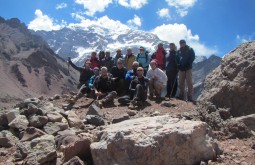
[135, 22]
[61, 6]
[44, 22]
[181, 6]
[164, 13]
[245, 38]
[105, 21]
[136, 4]
[175, 32]
[93, 6]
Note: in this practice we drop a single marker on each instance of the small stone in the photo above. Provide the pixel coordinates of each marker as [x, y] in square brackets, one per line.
[3, 153]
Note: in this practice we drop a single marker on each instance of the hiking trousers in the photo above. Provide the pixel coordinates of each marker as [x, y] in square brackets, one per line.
[155, 87]
[185, 79]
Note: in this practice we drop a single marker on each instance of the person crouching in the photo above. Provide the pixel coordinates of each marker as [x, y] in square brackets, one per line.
[138, 89]
[104, 86]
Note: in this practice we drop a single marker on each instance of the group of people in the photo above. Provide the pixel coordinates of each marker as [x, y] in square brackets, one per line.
[129, 77]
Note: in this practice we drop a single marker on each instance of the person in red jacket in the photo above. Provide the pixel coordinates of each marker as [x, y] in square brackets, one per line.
[160, 56]
[94, 60]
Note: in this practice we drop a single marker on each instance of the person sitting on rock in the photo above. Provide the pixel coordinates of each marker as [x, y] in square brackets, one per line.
[157, 80]
[104, 88]
[138, 89]
[85, 75]
[119, 72]
[131, 74]
[91, 82]
[107, 61]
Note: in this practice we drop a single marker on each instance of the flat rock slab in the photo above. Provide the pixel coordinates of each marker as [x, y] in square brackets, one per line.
[154, 140]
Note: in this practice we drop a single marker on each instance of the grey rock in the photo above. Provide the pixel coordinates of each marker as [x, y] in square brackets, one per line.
[248, 120]
[7, 139]
[120, 118]
[31, 133]
[74, 120]
[230, 86]
[52, 128]
[37, 121]
[74, 161]
[20, 122]
[12, 114]
[166, 104]
[95, 120]
[3, 119]
[151, 140]
[23, 149]
[54, 116]
[94, 110]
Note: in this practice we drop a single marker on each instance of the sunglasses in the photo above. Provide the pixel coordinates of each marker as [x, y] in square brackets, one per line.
[103, 71]
[139, 70]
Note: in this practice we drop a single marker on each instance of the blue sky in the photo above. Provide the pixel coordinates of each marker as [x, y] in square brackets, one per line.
[209, 26]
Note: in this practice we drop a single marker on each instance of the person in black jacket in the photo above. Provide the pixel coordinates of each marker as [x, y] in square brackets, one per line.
[138, 89]
[172, 72]
[185, 58]
[85, 74]
[104, 88]
[119, 72]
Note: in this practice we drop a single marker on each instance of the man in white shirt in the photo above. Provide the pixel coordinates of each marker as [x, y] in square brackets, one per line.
[157, 79]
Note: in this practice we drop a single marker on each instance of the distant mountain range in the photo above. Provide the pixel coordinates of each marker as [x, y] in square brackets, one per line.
[28, 66]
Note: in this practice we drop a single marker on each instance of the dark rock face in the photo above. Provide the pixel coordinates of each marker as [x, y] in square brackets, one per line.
[230, 87]
[200, 70]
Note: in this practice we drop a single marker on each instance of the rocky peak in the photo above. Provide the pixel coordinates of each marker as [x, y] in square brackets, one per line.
[230, 89]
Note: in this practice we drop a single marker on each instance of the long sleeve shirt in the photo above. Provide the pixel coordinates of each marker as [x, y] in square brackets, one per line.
[160, 74]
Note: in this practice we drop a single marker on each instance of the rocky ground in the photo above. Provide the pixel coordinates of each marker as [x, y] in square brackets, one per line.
[235, 151]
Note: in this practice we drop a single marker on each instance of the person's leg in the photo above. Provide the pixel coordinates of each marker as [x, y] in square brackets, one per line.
[189, 84]
[124, 100]
[168, 90]
[181, 84]
[109, 97]
[158, 88]
[151, 87]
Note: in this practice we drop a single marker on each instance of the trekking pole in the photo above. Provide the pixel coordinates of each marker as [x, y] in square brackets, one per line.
[173, 86]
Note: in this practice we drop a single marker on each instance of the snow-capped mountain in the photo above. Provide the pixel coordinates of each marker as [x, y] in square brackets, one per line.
[79, 42]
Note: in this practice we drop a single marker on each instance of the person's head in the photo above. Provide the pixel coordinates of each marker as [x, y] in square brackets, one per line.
[101, 54]
[118, 51]
[120, 63]
[96, 71]
[94, 54]
[104, 71]
[172, 46]
[87, 64]
[135, 65]
[140, 71]
[129, 51]
[182, 43]
[153, 64]
[107, 53]
[160, 45]
[141, 49]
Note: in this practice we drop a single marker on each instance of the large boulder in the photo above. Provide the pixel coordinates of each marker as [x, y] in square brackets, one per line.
[154, 140]
[230, 89]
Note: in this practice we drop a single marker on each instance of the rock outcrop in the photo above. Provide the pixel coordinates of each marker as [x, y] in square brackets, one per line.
[230, 89]
[154, 140]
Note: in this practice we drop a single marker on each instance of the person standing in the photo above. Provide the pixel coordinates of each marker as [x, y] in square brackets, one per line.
[143, 59]
[157, 80]
[160, 56]
[185, 58]
[129, 59]
[94, 60]
[171, 72]
[117, 56]
[107, 61]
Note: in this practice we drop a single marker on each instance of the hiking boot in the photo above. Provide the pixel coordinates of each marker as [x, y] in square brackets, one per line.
[132, 106]
[150, 96]
[190, 99]
[180, 97]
